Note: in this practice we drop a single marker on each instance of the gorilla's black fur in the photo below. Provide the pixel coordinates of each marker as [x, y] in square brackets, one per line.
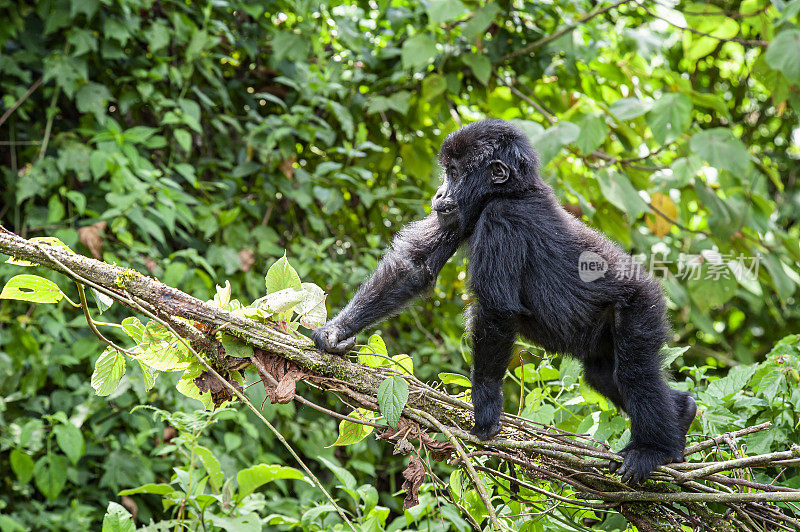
[525, 252]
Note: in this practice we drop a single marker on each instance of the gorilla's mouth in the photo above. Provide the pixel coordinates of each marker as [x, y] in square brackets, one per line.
[447, 210]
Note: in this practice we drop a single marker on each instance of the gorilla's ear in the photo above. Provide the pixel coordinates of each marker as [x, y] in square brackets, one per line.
[500, 171]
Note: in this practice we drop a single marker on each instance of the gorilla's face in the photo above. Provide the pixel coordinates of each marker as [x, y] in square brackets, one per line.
[481, 161]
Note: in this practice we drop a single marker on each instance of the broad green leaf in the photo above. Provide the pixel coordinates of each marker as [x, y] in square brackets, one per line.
[162, 350]
[783, 284]
[593, 133]
[147, 375]
[117, 519]
[455, 379]
[722, 150]
[108, 371]
[251, 478]
[31, 288]
[670, 354]
[480, 65]
[281, 276]
[22, 465]
[93, 98]
[188, 388]
[735, 381]
[102, 301]
[50, 475]
[480, 21]
[311, 309]
[432, 86]
[684, 170]
[670, 116]
[418, 51]
[213, 468]
[154, 489]
[375, 346]
[709, 293]
[351, 432]
[70, 440]
[403, 363]
[444, 10]
[551, 140]
[133, 328]
[629, 108]
[782, 54]
[184, 139]
[392, 398]
[236, 347]
[617, 189]
[345, 477]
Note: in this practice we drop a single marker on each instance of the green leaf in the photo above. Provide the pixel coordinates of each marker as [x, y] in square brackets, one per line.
[617, 189]
[210, 462]
[187, 387]
[147, 375]
[403, 363]
[670, 354]
[782, 54]
[432, 86]
[281, 275]
[50, 475]
[31, 288]
[735, 381]
[443, 10]
[236, 347]
[629, 108]
[455, 379]
[670, 116]
[593, 133]
[70, 440]
[93, 98]
[418, 51]
[480, 21]
[351, 432]
[133, 328]
[162, 350]
[375, 346]
[392, 398]
[480, 65]
[551, 140]
[709, 293]
[117, 519]
[154, 489]
[184, 139]
[345, 477]
[251, 478]
[22, 465]
[722, 150]
[108, 371]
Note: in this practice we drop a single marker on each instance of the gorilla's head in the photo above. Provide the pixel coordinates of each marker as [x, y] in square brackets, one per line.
[481, 161]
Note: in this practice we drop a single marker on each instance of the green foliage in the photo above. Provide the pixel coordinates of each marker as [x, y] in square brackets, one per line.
[201, 143]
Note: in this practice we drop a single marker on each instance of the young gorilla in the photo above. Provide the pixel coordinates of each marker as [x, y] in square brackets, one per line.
[524, 255]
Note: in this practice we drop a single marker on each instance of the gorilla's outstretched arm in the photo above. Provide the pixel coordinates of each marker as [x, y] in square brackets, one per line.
[411, 266]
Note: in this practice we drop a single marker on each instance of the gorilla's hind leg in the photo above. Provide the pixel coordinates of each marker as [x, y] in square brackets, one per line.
[659, 415]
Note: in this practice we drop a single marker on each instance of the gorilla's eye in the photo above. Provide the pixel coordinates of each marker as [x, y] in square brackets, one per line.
[453, 174]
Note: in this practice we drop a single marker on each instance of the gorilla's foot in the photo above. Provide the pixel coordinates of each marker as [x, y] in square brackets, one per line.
[640, 460]
[486, 432]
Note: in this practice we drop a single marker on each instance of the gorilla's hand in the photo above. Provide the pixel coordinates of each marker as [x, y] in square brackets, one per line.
[333, 338]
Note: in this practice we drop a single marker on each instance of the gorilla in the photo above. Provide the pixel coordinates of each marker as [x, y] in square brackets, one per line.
[537, 271]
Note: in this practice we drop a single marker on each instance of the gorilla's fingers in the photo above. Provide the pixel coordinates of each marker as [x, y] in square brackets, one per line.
[344, 346]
